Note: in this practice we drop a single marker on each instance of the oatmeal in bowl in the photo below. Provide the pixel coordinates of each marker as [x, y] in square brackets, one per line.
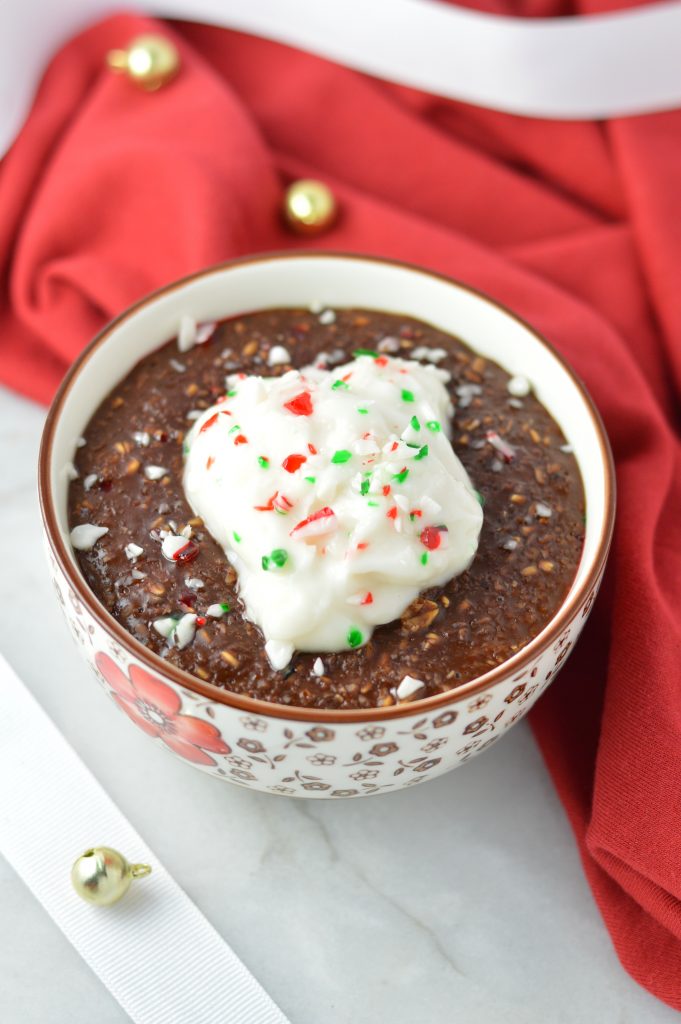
[345, 506]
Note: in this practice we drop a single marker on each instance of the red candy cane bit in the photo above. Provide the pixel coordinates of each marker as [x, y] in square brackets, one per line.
[386, 490]
[430, 538]
[269, 507]
[363, 545]
[311, 448]
[281, 503]
[200, 621]
[392, 512]
[347, 377]
[293, 462]
[506, 450]
[434, 537]
[381, 361]
[301, 405]
[209, 461]
[209, 422]
[240, 439]
[368, 598]
[187, 553]
[394, 446]
[316, 524]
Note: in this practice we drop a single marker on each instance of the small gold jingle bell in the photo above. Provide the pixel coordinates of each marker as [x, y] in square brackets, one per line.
[149, 61]
[309, 207]
[102, 875]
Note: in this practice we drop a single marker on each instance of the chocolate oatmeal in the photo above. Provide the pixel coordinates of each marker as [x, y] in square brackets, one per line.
[130, 482]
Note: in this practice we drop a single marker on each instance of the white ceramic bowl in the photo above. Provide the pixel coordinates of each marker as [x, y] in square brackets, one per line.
[288, 750]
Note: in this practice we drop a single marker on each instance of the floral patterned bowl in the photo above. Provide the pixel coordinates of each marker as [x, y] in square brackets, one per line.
[288, 750]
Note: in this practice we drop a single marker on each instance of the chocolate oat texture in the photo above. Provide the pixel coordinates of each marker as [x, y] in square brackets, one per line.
[153, 563]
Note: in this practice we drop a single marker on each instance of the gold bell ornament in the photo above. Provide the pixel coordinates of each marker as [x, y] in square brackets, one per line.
[309, 207]
[149, 61]
[102, 875]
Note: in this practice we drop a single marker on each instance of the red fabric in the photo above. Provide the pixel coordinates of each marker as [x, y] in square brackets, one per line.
[110, 192]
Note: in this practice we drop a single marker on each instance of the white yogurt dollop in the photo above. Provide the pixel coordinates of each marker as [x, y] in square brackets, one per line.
[336, 496]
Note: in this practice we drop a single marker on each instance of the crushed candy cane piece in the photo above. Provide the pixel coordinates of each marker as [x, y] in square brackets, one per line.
[278, 356]
[185, 630]
[154, 472]
[133, 551]
[318, 667]
[519, 387]
[186, 335]
[279, 653]
[408, 687]
[85, 536]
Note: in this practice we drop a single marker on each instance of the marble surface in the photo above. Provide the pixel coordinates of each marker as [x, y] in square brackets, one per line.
[459, 900]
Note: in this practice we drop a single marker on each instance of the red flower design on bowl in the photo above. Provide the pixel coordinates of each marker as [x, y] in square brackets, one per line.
[155, 708]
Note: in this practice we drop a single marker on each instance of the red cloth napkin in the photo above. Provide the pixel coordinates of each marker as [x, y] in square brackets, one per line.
[110, 192]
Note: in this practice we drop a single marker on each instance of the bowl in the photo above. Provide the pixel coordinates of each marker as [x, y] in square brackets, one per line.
[305, 752]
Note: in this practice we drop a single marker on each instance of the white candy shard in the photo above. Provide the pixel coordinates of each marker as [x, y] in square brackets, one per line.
[216, 611]
[542, 511]
[90, 481]
[142, 438]
[279, 653]
[519, 387]
[186, 336]
[86, 536]
[408, 687]
[428, 355]
[327, 317]
[166, 627]
[186, 628]
[133, 551]
[278, 356]
[389, 344]
[318, 667]
[194, 583]
[154, 472]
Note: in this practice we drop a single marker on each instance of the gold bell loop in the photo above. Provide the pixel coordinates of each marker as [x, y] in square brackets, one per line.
[149, 61]
[102, 875]
[140, 870]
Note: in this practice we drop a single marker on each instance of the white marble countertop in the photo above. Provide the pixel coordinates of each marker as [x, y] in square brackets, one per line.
[462, 900]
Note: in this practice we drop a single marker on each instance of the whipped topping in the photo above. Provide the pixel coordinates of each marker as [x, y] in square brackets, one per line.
[336, 495]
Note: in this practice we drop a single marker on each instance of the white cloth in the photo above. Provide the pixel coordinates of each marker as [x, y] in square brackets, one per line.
[608, 65]
[155, 951]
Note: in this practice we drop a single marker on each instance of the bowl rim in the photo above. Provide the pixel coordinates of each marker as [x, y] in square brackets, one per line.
[252, 705]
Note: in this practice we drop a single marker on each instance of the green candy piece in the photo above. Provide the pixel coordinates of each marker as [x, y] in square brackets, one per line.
[407, 396]
[340, 385]
[402, 475]
[415, 423]
[354, 637]
[434, 425]
[421, 454]
[341, 456]
[277, 558]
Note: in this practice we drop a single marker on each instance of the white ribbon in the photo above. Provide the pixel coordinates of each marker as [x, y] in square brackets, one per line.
[155, 951]
[607, 65]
